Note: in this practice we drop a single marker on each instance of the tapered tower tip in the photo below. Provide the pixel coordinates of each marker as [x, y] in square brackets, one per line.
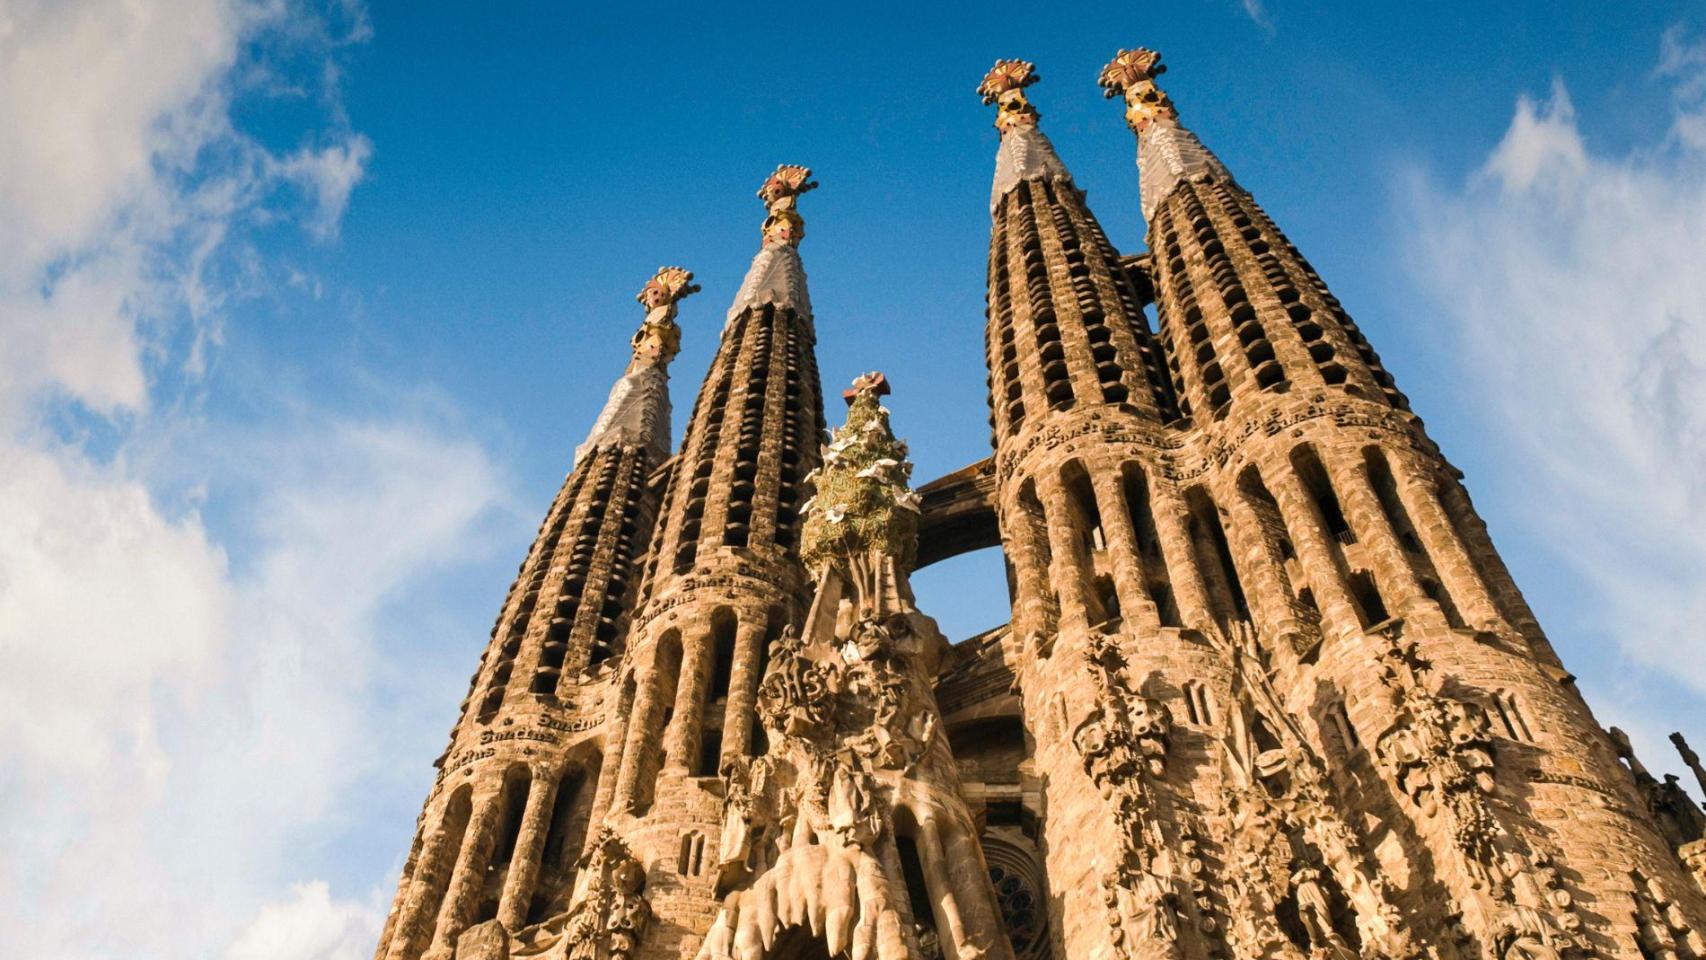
[1004, 85]
[781, 193]
[659, 339]
[1131, 74]
[667, 287]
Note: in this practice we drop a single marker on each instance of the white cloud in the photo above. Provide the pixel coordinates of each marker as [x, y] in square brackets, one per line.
[178, 724]
[310, 926]
[328, 174]
[120, 174]
[1570, 279]
[188, 699]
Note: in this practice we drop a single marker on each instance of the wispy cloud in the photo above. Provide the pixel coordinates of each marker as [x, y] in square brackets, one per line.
[1570, 279]
[1258, 14]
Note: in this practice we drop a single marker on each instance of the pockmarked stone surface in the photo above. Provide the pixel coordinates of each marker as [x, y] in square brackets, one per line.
[1267, 691]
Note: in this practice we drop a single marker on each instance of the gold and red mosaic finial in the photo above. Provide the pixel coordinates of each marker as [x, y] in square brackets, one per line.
[780, 194]
[1004, 85]
[667, 287]
[1131, 74]
[659, 337]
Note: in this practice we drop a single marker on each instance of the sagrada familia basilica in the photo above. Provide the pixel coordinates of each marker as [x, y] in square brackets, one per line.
[1267, 691]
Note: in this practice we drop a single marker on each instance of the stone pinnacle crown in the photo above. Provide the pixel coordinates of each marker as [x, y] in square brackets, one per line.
[1131, 74]
[780, 193]
[862, 502]
[1025, 153]
[659, 339]
[1004, 85]
[637, 411]
[1167, 153]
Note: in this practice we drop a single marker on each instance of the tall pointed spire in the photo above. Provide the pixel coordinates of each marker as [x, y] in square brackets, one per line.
[776, 276]
[1066, 321]
[1242, 314]
[1166, 151]
[637, 412]
[1025, 153]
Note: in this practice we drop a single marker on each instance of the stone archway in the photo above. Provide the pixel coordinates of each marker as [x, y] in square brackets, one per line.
[797, 943]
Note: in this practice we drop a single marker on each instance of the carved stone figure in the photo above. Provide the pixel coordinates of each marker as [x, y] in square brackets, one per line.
[606, 919]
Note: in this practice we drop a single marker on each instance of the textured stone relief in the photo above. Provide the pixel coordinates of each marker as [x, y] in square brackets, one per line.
[810, 828]
[608, 916]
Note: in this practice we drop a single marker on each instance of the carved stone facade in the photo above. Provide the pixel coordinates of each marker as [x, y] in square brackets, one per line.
[1267, 690]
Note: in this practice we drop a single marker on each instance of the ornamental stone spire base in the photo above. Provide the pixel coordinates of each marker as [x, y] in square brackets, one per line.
[858, 787]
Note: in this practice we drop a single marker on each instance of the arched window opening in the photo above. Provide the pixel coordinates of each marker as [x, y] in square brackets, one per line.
[1308, 643]
[1140, 512]
[1107, 600]
[666, 670]
[1437, 594]
[1018, 883]
[692, 859]
[1214, 555]
[1166, 607]
[512, 805]
[1386, 491]
[558, 851]
[1307, 609]
[1314, 477]
[797, 943]
[1086, 516]
[917, 889]
[710, 754]
[571, 810]
[513, 801]
[1512, 716]
[1199, 706]
[1368, 600]
[1340, 718]
[722, 654]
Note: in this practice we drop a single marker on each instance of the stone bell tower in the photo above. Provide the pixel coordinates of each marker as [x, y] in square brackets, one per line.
[499, 837]
[724, 578]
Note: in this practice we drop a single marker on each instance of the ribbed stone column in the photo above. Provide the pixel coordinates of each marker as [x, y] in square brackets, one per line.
[647, 715]
[529, 843]
[933, 858]
[1264, 578]
[1065, 572]
[1373, 529]
[970, 878]
[1033, 603]
[415, 927]
[1190, 590]
[470, 874]
[743, 690]
[1315, 551]
[1457, 571]
[681, 740]
[1136, 607]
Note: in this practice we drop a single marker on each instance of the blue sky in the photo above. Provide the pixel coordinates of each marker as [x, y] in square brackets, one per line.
[304, 306]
